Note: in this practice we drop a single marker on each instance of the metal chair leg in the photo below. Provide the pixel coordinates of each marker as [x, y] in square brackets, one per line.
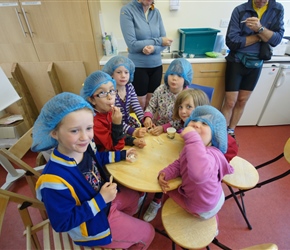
[222, 246]
[242, 208]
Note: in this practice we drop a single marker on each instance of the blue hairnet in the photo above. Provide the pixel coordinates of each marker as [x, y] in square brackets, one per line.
[216, 121]
[94, 81]
[182, 68]
[51, 115]
[116, 62]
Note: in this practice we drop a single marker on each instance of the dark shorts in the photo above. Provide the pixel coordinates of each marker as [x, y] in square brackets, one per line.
[238, 77]
[146, 80]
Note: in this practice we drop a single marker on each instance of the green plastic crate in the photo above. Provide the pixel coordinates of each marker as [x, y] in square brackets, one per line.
[197, 40]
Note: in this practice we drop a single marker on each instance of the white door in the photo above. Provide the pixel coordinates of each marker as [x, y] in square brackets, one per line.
[259, 96]
[276, 110]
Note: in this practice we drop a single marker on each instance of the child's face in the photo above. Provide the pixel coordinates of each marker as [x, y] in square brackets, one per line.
[121, 76]
[175, 83]
[203, 130]
[74, 133]
[185, 108]
[104, 104]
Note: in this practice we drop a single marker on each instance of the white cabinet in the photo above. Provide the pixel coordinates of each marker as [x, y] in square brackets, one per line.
[276, 110]
[259, 96]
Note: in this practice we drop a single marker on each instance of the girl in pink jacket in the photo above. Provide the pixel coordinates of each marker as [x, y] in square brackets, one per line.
[201, 164]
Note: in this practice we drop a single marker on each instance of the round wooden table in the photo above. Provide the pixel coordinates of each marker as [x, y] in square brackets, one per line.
[141, 175]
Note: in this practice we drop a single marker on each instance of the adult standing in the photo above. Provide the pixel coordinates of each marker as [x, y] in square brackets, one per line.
[145, 36]
[251, 23]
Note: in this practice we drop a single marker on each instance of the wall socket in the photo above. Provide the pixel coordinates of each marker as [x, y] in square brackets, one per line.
[224, 23]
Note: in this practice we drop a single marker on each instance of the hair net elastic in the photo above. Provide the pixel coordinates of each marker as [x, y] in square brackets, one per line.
[216, 121]
[94, 81]
[117, 61]
[182, 68]
[51, 115]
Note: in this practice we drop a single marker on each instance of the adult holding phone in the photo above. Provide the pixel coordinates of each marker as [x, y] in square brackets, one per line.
[145, 36]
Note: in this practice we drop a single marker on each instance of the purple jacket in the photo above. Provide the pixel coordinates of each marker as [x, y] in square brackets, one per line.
[202, 170]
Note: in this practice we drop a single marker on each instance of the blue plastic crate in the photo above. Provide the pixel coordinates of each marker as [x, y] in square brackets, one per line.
[197, 40]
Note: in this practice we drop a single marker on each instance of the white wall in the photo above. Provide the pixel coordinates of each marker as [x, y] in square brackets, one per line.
[192, 14]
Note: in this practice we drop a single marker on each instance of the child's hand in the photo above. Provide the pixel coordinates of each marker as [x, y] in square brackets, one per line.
[148, 122]
[139, 132]
[186, 130]
[163, 183]
[139, 142]
[158, 130]
[116, 115]
[109, 191]
[131, 155]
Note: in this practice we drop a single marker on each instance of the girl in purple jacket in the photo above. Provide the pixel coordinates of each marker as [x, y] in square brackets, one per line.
[201, 164]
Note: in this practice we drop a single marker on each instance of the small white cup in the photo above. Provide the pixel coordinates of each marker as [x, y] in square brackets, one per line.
[171, 132]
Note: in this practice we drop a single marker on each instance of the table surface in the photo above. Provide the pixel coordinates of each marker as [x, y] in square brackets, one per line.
[141, 175]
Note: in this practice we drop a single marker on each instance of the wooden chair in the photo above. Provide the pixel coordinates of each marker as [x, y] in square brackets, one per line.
[186, 230]
[14, 155]
[245, 177]
[51, 239]
[266, 246]
[208, 90]
[190, 232]
[286, 155]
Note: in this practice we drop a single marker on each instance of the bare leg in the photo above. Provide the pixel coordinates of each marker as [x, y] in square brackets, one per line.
[229, 104]
[142, 101]
[241, 102]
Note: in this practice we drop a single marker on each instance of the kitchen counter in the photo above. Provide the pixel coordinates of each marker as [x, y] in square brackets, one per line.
[277, 59]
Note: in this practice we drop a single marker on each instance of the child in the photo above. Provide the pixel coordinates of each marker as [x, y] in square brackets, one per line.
[77, 195]
[100, 91]
[186, 102]
[122, 71]
[201, 164]
[177, 77]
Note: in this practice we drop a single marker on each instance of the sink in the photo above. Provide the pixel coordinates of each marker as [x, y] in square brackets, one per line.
[170, 55]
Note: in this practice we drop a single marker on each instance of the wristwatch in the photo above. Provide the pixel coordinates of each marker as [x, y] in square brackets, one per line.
[261, 29]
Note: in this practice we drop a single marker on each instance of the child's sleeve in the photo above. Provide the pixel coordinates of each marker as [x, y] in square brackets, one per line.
[232, 148]
[153, 104]
[107, 157]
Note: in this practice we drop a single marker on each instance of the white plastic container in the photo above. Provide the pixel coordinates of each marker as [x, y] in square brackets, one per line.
[114, 44]
[108, 46]
[280, 49]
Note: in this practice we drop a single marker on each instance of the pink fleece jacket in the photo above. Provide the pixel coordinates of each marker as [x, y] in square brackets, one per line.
[201, 169]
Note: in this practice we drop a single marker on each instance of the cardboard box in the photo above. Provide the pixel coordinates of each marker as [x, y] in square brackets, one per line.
[14, 130]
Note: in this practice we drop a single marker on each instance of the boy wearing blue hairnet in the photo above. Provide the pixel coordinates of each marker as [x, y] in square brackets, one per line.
[99, 90]
[201, 165]
[122, 71]
[76, 192]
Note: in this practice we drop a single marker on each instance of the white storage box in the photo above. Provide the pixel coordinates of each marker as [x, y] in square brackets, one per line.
[14, 130]
[280, 49]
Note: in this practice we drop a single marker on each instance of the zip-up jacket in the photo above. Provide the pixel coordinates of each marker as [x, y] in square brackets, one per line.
[71, 203]
[272, 19]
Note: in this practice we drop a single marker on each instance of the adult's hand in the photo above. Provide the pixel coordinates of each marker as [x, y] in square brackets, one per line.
[166, 41]
[147, 50]
[253, 23]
